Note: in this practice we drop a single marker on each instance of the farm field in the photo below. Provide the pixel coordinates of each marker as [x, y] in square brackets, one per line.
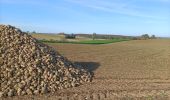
[85, 50]
[47, 36]
[104, 41]
[138, 69]
[55, 38]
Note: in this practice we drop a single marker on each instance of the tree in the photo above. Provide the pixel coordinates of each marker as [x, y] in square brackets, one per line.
[34, 32]
[153, 37]
[109, 37]
[145, 36]
[70, 36]
[94, 36]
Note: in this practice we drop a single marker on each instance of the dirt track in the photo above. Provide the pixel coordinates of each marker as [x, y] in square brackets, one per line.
[124, 70]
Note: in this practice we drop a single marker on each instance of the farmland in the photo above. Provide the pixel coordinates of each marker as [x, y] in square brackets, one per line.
[98, 41]
[80, 39]
[137, 69]
[85, 50]
[47, 36]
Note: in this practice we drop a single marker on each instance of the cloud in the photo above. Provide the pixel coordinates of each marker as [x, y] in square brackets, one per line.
[119, 6]
[159, 1]
[163, 1]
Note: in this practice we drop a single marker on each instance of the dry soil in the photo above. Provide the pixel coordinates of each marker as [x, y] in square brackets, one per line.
[130, 70]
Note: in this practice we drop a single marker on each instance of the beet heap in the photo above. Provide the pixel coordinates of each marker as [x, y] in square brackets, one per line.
[30, 67]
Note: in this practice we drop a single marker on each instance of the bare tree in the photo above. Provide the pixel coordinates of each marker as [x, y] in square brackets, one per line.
[94, 36]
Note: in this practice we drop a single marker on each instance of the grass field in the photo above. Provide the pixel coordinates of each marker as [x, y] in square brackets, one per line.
[102, 41]
[130, 70]
[97, 41]
[54, 38]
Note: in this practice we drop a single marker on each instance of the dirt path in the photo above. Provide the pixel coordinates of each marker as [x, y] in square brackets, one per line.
[133, 70]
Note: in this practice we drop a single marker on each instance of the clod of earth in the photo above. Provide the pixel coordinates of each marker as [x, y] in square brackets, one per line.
[28, 67]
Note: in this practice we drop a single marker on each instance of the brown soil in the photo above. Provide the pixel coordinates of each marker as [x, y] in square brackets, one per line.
[127, 71]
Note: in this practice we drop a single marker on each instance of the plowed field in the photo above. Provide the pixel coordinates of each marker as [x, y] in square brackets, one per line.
[130, 70]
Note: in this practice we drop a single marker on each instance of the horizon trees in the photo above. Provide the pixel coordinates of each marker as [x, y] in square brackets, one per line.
[146, 36]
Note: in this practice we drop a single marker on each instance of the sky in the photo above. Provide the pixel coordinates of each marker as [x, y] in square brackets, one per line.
[121, 17]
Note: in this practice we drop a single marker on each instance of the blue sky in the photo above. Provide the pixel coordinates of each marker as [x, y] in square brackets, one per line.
[124, 17]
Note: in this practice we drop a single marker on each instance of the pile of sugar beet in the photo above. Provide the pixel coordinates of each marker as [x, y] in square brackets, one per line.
[29, 67]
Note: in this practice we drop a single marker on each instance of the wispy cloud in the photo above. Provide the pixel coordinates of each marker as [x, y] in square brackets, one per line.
[118, 6]
[163, 1]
